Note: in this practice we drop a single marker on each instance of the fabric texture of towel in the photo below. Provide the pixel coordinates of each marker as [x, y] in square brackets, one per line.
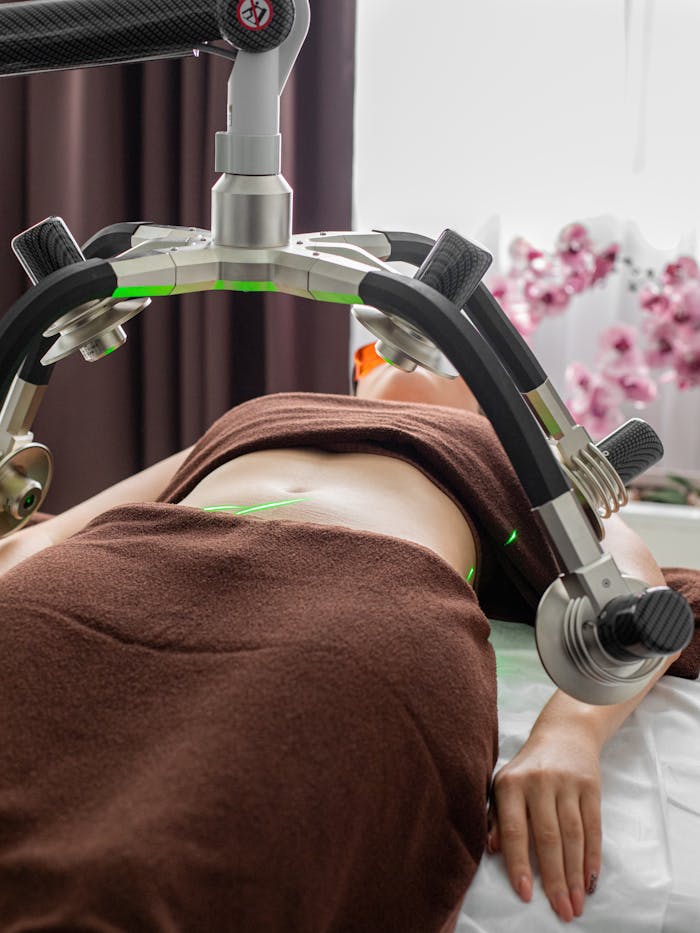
[458, 450]
[205, 729]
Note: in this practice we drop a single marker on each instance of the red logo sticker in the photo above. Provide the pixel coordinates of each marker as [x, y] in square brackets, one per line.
[254, 14]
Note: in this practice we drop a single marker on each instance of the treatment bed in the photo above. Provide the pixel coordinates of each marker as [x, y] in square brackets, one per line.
[649, 881]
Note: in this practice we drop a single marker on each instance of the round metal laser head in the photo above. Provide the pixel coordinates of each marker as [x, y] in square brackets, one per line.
[104, 344]
[570, 652]
[25, 476]
[95, 331]
[402, 344]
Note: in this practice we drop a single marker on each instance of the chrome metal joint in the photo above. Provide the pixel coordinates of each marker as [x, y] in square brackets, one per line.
[551, 411]
[21, 407]
[570, 530]
[253, 211]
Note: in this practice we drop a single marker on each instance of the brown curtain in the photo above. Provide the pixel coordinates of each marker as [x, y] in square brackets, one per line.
[136, 142]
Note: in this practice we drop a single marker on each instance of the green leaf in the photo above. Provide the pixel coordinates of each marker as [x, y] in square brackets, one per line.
[681, 480]
[671, 496]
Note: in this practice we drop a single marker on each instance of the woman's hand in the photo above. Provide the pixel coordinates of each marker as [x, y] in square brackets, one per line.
[552, 784]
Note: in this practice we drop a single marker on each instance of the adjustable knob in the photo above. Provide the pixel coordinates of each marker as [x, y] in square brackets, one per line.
[656, 623]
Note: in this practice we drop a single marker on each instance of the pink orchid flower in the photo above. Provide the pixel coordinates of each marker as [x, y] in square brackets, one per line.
[655, 301]
[638, 388]
[619, 348]
[573, 239]
[605, 262]
[684, 303]
[684, 268]
[661, 336]
[687, 363]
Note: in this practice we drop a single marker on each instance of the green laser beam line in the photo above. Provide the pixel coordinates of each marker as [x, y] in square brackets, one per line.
[268, 505]
[219, 508]
[513, 536]
[470, 574]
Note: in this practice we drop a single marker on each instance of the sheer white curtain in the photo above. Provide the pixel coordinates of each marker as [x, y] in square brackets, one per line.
[517, 117]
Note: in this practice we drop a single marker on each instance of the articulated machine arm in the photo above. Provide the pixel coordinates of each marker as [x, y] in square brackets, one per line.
[601, 635]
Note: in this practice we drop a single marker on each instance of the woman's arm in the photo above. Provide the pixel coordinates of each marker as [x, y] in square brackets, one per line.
[145, 486]
[554, 781]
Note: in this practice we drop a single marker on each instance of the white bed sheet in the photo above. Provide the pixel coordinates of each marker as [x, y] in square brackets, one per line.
[650, 876]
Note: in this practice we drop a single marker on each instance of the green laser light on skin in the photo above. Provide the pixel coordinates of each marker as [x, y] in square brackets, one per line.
[252, 508]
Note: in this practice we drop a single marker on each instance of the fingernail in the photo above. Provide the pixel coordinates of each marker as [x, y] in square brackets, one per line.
[592, 883]
[577, 900]
[525, 888]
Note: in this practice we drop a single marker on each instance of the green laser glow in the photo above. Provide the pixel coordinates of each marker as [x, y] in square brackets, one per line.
[470, 574]
[244, 286]
[337, 297]
[513, 536]
[268, 505]
[141, 291]
[111, 350]
[219, 508]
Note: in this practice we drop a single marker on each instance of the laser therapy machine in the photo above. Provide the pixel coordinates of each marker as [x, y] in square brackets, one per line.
[601, 635]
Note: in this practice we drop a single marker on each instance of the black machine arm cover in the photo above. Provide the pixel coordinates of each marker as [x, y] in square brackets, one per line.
[49, 35]
[42, 305]
[112, 240]
[427, 310]
[407, 247]
[496, 326]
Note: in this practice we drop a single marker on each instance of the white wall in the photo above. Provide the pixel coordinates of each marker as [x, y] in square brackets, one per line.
[515, 117]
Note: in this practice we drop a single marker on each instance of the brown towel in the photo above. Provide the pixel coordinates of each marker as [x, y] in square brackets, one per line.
[214, 723]
[457, 450]
[687, 582]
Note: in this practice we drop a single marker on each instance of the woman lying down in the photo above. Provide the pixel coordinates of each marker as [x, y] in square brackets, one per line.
[250, 689]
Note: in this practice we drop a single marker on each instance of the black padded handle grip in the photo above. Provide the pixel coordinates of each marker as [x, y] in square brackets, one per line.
[656, 623]
[45, 247]
[454, 267]
[631, 449]
[42, 249]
